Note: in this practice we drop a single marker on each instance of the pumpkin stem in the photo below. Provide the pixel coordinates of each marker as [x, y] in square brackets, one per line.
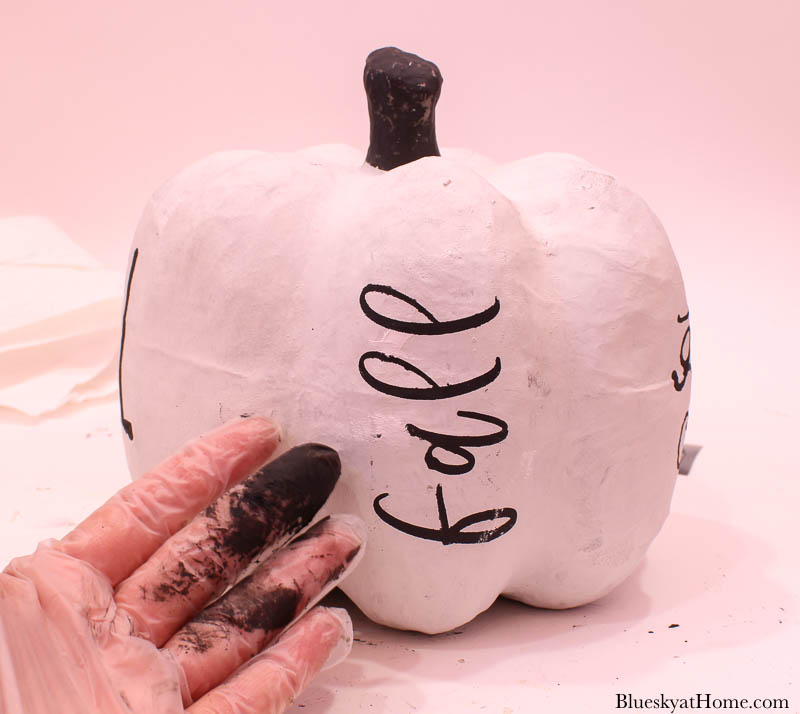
[402, 91]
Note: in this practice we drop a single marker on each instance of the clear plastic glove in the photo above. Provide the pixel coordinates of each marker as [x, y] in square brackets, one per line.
[115, 617]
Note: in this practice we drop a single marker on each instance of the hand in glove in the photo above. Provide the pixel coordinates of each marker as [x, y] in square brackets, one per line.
[115, 617]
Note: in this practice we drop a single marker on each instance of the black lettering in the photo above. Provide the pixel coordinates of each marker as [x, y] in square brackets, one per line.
[686, 347]
[126, 425]
[432, 326]
[455, 444]
[435, 391]
[681, 438]
[448, 534]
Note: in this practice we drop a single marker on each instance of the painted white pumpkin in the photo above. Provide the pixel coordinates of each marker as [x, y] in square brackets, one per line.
[500, 354]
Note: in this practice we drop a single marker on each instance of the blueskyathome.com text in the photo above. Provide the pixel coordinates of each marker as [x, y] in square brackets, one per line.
[699, 701]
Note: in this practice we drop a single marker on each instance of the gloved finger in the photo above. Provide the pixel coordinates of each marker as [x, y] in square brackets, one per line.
[270, 681]
[250, 615]
[119, 536]
[202, 559]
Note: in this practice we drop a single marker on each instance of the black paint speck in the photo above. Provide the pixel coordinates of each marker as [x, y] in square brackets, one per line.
[336, 572]
[181, 582]
[191, 639]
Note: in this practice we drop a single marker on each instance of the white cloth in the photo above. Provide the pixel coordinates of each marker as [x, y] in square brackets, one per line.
[60, 314]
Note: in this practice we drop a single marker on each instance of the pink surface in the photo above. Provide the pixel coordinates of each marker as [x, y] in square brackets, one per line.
[693, 104]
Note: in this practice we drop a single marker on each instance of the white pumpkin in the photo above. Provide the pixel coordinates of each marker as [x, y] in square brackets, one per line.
[499, 354]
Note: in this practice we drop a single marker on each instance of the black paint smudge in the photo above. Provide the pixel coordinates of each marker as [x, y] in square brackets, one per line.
[249, 606]
[283, 497]
[246, 611]
[279, 500]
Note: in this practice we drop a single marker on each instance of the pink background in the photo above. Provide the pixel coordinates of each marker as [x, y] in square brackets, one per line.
[694, 103]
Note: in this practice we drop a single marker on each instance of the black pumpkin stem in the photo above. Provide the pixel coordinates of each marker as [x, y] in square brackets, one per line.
[402, 91]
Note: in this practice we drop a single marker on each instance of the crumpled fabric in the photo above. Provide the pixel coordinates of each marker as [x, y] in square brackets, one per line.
[68, 645]
[59, 322]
